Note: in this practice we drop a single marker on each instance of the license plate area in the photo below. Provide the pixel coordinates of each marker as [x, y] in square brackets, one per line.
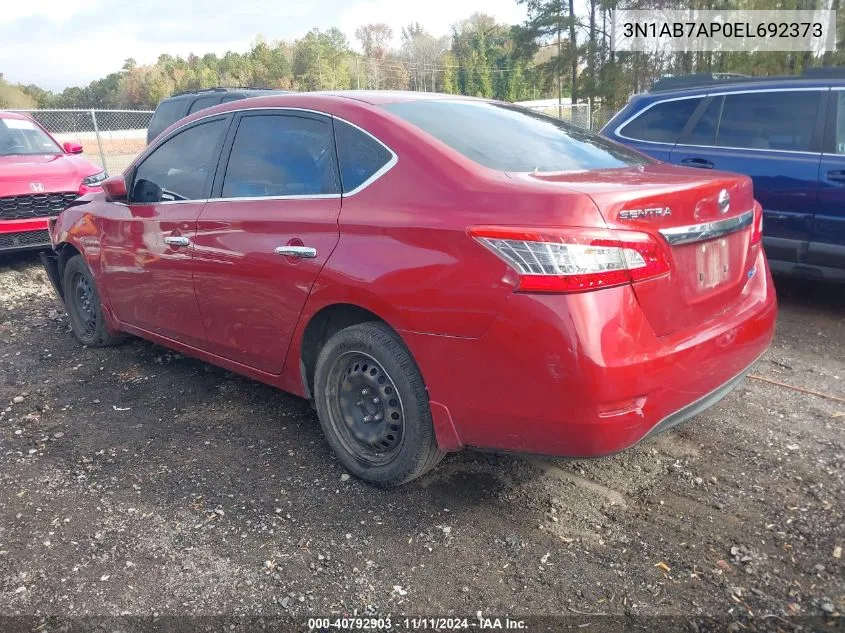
[712, 263]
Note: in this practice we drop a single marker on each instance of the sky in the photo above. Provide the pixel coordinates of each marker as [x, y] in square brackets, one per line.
[61, 43]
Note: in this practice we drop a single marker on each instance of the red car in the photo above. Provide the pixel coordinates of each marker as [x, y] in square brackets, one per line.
[434, 272]
[38, 178]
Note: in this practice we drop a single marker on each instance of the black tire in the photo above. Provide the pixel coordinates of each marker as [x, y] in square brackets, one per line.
[397, 444]
[82, 302]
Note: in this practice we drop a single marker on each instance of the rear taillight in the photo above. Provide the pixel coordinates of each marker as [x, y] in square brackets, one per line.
[574, 259]
[757, 226]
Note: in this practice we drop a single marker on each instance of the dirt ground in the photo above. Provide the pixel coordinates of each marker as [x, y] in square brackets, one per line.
[134, 480]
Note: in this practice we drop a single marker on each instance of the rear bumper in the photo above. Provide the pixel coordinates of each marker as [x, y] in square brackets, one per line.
[584, 375]
[20, 235]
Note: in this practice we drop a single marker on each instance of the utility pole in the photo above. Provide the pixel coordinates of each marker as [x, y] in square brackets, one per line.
[559, 60]
[357, 75]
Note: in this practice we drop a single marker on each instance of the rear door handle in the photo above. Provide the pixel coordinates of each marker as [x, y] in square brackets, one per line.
[837, 175]
[176, 240]
[701, 163]
[305, 252]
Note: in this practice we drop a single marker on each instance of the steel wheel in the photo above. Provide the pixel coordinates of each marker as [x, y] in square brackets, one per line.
[83, 303]
[365, 408]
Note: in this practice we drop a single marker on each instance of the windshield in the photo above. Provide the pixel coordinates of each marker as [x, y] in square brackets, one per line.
[21, 136]
[510, 138]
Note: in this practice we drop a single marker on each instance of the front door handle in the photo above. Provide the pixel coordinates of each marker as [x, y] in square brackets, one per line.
[836, 175]
[176, 240]
[701, 163]
[305, 252]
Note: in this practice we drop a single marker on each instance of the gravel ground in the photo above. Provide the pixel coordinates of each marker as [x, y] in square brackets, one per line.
[137, 481]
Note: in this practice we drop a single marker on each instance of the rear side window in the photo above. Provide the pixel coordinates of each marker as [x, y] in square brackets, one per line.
[360, 156]
[705, 129]
[167, 112]
[204, 102]
[281, 155]
[663, 122]
[509, 138]
[769, 120]
[182, 167]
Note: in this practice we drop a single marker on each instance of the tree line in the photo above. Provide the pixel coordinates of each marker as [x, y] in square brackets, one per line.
[561, 50]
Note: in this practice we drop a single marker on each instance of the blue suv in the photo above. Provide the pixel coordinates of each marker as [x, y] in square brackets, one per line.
[787, 133]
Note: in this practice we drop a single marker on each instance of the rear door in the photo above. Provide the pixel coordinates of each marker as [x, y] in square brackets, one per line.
[774, 136]
[266, 233]
[827, 245]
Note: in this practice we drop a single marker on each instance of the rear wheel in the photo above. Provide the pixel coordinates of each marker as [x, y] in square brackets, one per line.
[82, 302]
[373, 406]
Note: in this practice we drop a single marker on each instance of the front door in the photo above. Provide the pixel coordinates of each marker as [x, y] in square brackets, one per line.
[266, 233]
[148, 243]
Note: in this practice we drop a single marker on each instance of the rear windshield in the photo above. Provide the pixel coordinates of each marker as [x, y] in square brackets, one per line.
[509, 138]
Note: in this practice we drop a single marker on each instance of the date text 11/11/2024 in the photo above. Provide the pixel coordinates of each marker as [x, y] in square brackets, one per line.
[415, 624]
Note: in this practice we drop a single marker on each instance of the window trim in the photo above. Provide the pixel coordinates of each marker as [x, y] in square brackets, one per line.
[378, 173]
[726, 93]
[231, 113]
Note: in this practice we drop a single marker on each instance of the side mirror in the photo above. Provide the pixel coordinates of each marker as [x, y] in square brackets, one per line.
[115, 188]
[72, 148]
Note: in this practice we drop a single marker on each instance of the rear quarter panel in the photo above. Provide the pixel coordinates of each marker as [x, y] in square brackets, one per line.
[404, 252]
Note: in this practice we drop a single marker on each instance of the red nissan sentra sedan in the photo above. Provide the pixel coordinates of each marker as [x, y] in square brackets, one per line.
[38, 177]
[434, 272]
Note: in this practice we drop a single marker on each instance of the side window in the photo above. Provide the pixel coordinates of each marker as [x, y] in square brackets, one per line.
[360, 156]
[166, 113]
[769, 120]
[840, 122]
[182, 167]
[281, 155]
[204, 102]
[704, 132]
[229, 98]
[663, 122]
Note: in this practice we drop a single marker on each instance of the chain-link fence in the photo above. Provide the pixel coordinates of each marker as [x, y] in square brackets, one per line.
[578, 114]
[110, 138]
[601, 116]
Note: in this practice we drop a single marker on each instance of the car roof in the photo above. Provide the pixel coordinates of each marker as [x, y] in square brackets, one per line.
[380, 97]
[333, 103]
[747, 83]
[318, 99]
[210, 92]
[5, 114]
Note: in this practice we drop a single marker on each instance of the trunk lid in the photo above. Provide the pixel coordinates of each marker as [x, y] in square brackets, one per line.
[710, 266]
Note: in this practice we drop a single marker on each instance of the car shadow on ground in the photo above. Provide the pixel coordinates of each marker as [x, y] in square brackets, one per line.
[810, 293]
